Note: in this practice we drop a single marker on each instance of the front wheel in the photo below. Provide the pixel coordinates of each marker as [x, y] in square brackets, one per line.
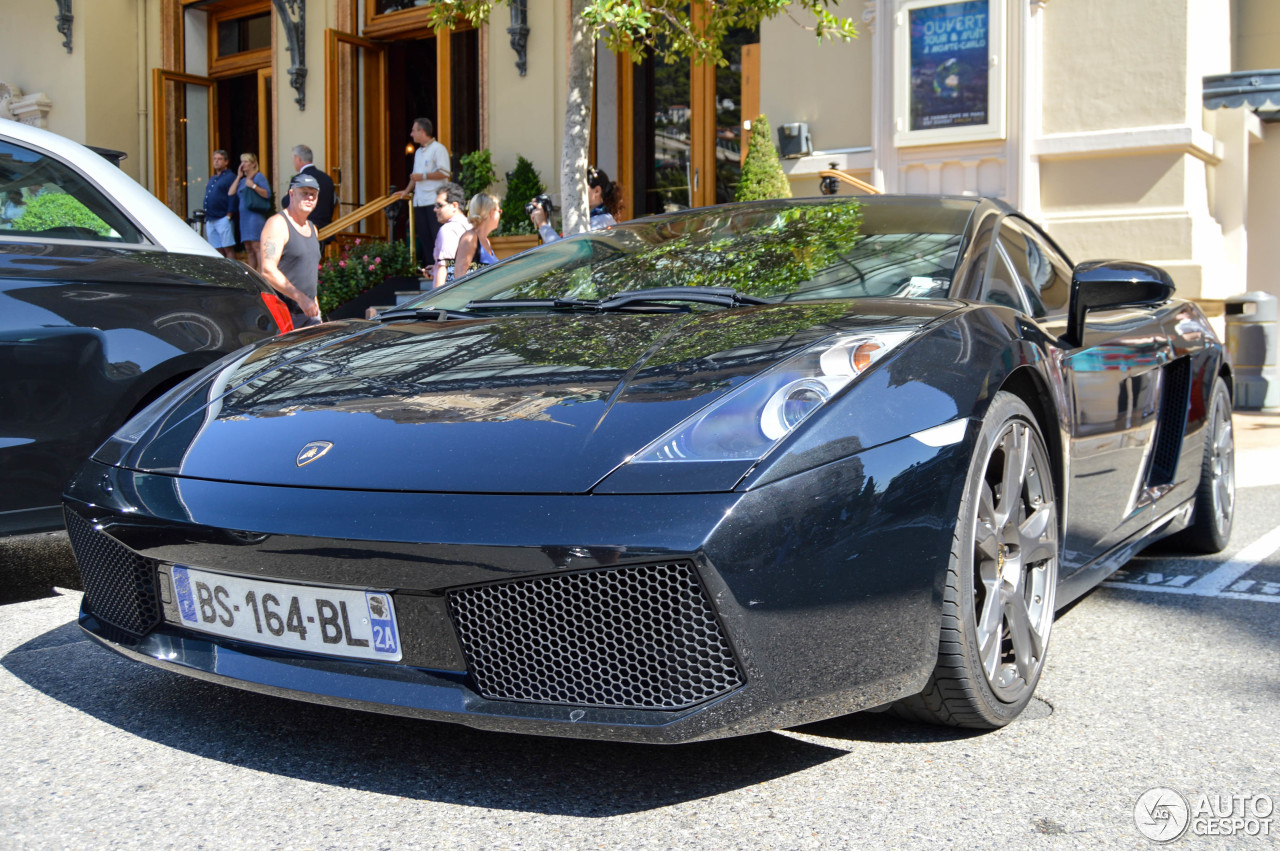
[1001, 581]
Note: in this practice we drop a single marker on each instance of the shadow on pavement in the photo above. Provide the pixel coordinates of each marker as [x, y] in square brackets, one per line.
[32, 565]
[396, 756]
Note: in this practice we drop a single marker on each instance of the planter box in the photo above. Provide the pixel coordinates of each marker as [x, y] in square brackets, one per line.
[379, 295]
[505, 246]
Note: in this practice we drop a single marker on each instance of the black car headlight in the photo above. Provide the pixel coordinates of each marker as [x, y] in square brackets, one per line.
[746, 423]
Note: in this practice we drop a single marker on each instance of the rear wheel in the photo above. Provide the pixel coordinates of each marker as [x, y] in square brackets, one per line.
[1210, 528]
[1001, 583]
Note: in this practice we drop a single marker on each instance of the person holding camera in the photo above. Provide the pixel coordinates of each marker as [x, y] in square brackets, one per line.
[603, 196]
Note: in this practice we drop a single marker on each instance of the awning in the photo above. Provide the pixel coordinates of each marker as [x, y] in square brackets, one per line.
[1258, 90]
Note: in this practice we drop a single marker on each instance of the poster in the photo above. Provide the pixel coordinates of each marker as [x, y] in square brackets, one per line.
[950, 50]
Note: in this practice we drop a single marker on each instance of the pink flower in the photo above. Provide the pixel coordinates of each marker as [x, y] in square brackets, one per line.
[342, 264]
[357, 242]
[379, 260]
[372, 267]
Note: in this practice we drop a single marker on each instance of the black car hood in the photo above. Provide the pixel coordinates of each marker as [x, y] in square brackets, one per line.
[514, 404]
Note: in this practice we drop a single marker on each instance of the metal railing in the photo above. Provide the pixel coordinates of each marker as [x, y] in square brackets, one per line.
[844, 177]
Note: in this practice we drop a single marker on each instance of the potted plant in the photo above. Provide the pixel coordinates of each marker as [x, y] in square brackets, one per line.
[366, 274]
[477, 173]
[515, 232]
[762, 174]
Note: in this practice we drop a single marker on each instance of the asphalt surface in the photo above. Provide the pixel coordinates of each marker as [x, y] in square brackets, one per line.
[1167, 676]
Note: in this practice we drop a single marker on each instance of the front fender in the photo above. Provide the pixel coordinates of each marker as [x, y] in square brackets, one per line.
[951, 371]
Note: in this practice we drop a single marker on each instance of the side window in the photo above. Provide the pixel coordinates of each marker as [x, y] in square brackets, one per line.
[45, 198]
[1002, 286]
[1048, 290]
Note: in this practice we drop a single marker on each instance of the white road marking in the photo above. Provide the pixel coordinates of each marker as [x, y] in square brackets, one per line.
[1223, 581]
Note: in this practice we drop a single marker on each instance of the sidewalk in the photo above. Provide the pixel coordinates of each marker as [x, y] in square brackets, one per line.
[1257, 436]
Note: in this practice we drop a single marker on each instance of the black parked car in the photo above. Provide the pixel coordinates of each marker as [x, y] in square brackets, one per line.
[107, 299]
[698, 475]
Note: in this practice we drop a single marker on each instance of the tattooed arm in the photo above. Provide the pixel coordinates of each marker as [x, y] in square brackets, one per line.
[275, 233]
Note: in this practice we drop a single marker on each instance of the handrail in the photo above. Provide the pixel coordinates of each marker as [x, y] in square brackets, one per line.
[359, 214]
[851, 180]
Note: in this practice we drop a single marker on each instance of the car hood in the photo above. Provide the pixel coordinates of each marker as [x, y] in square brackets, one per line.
[514, 404]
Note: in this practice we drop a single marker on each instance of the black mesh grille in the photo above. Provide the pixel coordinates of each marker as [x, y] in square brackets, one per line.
[1173, 422]
[119, 584]
[641, 637]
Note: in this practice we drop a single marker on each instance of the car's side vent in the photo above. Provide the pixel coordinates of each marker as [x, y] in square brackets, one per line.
[1172, 424]
[119, 584]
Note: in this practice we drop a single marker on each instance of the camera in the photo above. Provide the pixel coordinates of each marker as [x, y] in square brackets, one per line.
[540, 202]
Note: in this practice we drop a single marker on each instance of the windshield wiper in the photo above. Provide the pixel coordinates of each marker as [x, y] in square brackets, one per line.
[532, 303]
[721, 296]
[428, 314]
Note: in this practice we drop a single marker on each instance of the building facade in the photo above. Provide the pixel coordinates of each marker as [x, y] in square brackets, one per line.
[1119, 126]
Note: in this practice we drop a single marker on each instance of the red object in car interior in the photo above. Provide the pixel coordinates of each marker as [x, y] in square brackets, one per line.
[279, 312]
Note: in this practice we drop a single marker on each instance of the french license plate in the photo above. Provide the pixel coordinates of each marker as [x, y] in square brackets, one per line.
[338, 622]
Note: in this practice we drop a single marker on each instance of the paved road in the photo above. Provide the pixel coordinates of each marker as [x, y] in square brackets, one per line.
[1151, 681]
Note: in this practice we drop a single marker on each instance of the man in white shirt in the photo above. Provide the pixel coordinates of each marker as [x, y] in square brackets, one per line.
[431, 171]
[453, 224]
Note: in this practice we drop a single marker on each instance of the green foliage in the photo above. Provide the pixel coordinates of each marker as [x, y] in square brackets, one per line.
[359, 267]
[523, 183]
[477, 173]
[665, 28]
[596, 344]
[762, 175]
[771, 251]
[59, 210]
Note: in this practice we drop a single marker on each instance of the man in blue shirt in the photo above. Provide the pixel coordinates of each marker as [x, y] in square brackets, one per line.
[217, 207]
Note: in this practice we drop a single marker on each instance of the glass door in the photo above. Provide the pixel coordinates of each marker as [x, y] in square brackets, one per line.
[266, 128]
[182, 139]
[356, 123]
[688, 125]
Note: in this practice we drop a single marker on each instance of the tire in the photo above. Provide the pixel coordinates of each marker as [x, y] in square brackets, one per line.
[1215, 499]
[998, 607]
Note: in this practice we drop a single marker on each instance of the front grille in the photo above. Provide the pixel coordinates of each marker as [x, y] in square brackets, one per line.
[643, 637]
[119, 584]
[1173, 422]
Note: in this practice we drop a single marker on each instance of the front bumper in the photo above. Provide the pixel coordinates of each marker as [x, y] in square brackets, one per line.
[826, 585]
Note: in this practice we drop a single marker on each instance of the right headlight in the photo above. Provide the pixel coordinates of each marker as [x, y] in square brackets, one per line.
[746, 423]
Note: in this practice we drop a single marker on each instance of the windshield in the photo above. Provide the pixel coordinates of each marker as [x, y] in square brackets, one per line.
[806, 250]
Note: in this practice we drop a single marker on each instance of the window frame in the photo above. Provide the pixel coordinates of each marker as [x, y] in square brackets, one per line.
[997, 60]
[246, 61]
[148, 243]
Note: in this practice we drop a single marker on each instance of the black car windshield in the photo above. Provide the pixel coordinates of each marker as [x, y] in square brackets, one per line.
[802, 250]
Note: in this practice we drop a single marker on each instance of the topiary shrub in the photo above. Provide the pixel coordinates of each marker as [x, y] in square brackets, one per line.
[58, 210]
[762, 174]
[477, 173]
[523, 183]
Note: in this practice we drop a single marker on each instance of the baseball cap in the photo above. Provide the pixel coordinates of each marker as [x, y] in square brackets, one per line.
[304, 181]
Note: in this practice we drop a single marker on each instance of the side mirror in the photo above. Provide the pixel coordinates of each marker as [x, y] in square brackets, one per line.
[1108, 284]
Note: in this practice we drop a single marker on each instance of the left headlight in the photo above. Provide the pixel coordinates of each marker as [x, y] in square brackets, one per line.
[746, 423]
